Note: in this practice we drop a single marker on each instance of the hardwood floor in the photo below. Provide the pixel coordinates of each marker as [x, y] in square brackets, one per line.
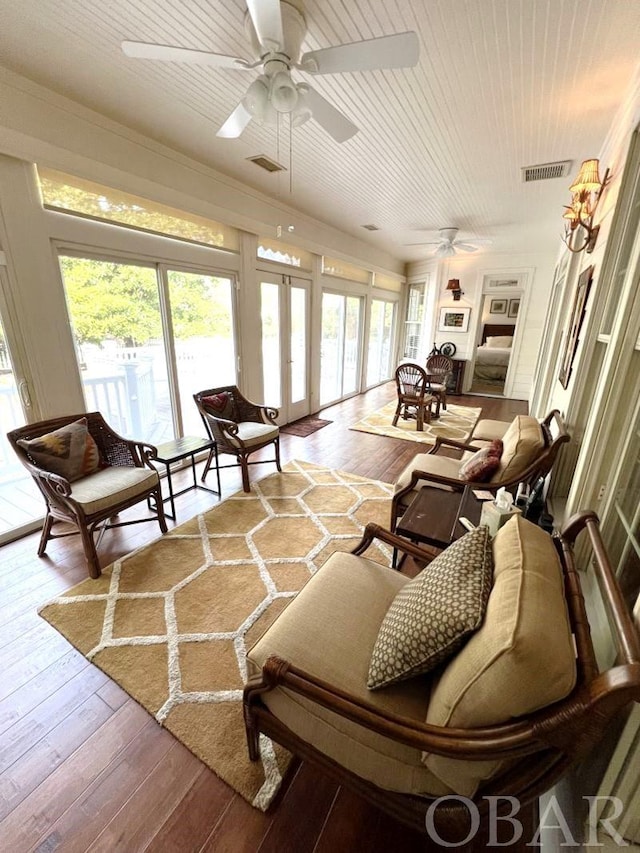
[84, 767]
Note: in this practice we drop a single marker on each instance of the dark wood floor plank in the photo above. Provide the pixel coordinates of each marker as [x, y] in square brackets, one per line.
[113, 695]
[49, 752]
[300, 819]
[196, 815]
[30, 728]
[137, 822]
[241, 829]
[35, 662]
[32, 819]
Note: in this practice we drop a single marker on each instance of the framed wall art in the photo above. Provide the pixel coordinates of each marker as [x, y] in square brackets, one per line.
[498, 306]
[454, 319]
[575, 324]
[514, 307]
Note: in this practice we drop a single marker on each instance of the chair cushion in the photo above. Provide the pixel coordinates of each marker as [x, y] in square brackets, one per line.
[487, 430]
[521, 659]
[112, 485]
[252, 433]
[432, 615]
[69, 451]
[220, 405]
[523, 443]
[329, 631]
[483, 464]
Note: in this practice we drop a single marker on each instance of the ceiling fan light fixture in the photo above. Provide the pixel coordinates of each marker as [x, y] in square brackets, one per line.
[284, 94]
[256, 99]
[445, 250]
[302, 112]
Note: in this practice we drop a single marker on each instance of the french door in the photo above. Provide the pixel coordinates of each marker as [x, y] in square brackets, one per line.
[21, 504]
[381, 331]
[284, 313]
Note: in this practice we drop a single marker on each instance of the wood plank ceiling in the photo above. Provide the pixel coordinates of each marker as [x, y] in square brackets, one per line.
[500, 84]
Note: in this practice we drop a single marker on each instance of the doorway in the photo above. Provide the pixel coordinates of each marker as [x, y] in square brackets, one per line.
[494, 344]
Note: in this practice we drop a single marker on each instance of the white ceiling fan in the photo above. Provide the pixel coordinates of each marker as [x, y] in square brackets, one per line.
[447, 245]
[276, 30]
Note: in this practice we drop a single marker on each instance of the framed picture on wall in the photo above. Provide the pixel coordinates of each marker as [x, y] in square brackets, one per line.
[575, 324]
[454, 319]
[514, 307]
[498, 306]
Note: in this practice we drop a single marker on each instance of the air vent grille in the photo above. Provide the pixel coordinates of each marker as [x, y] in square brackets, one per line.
[266, 163]
[546, 171]
[371, 227]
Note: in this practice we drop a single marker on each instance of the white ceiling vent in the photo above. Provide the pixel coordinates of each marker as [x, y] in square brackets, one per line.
[545, 171]
[266, 163]
[371, 227]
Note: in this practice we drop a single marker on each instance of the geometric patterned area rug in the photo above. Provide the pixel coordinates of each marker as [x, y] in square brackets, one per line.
[456, 422]
[172, 621]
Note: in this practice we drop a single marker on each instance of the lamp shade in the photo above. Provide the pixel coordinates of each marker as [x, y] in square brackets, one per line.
[588, 178]
[453, 284]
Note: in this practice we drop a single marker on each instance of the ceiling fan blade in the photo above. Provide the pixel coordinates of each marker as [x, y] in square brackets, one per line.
[398, 51]
[236, 123]
[465, 247]
[329, 117]
[169, 53]
[423, 243]
[267, 22]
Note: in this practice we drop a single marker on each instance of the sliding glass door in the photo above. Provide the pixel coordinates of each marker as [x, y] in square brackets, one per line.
[341, 345]
[148, 337]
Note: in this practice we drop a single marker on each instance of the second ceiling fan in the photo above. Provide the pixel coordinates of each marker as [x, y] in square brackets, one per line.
[448, 245]
[276, 31]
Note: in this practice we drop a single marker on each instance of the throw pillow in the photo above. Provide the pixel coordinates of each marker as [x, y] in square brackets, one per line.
[432, 616]
[69, 451]
[480, 467]
[220, 405]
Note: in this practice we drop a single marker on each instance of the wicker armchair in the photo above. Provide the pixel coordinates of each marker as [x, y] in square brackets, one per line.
[121, 477]
[238, 427]
[413, 393]
[439, 369]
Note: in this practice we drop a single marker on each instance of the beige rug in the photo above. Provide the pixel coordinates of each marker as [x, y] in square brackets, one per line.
[457, 423]
[171, 622]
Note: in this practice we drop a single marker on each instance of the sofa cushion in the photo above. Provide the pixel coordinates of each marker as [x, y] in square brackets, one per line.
[523, 442]
[487, 430]
[521, 659]
[350, 595]
[483, 464]
[69, 451]
[432, 615]
[431, 463]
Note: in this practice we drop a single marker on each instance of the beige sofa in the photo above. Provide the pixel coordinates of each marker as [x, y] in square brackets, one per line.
[505, 716]
[530, 448]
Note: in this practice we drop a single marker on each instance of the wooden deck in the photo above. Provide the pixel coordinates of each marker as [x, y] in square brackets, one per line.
[84, 767]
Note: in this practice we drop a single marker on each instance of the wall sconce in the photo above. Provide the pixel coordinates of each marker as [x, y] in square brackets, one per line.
[454, 286]
[587, 189]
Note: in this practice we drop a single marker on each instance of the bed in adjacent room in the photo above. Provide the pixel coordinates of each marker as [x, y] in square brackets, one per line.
[493, 354]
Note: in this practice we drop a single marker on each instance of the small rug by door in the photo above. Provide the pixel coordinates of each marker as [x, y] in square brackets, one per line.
[457, 423]
[305, 426]
[171, 622]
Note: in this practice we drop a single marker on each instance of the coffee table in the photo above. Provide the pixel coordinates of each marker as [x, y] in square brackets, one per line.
[433, 516]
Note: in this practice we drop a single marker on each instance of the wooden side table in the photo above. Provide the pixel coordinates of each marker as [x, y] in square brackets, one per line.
[175, 451]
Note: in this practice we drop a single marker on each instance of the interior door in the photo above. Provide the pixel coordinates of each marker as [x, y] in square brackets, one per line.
[284, 311]
[21, 504]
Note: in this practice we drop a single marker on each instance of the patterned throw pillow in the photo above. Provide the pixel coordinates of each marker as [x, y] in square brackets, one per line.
[480, 467]
[432, 616]
[69, 451]
[220, 405]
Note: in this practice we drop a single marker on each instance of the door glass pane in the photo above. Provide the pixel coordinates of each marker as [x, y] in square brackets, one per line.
[202, 320]
[115, 316]
[20, 498]
[270, 314]
[351, 345]
[298, 344]
[413, 325]
[380, 337]
[331, 347]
